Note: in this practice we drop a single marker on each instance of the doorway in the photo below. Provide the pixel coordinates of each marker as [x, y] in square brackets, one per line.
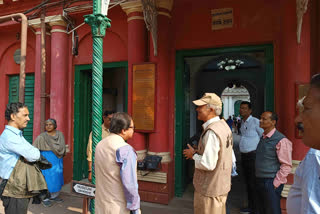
[115, 96]
[212, 70]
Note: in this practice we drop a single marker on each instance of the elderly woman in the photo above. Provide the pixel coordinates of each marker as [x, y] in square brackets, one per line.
[52, 146]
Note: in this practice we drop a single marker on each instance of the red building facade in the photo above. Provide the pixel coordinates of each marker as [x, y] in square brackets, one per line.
[186, 39]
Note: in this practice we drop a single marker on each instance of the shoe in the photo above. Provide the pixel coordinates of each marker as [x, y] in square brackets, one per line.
[245, 210]
[47, 203]
[57, 200]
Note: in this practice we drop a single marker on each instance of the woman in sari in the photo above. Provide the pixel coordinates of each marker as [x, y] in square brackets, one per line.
[52, 146]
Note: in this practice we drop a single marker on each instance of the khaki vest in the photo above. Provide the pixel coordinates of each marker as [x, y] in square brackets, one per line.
[217, 182]
[110, 198]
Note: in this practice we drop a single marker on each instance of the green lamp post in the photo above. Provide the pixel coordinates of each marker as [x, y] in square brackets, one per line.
[99, 23]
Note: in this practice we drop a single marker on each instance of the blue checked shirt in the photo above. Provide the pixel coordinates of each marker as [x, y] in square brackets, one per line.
[12, 146]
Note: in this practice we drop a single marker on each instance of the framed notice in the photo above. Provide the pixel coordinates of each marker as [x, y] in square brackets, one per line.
[301, 90]
[143, 97]
[222, 18]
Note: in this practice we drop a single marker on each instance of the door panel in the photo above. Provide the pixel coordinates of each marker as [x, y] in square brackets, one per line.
[28, 99]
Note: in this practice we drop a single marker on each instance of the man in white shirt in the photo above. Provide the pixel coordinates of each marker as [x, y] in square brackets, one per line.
[304, 195]
[250, 136]
[213, 158]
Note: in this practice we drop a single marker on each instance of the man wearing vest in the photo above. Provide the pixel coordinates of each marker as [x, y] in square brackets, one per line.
[273, 165]
[213, 158]
[116, 170]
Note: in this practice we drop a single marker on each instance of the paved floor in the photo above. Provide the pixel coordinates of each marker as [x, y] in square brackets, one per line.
[73, 204]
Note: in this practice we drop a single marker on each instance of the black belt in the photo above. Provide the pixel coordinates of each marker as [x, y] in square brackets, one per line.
[249, 153]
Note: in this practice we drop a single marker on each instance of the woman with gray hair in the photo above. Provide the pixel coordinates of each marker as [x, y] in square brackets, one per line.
[52, 146]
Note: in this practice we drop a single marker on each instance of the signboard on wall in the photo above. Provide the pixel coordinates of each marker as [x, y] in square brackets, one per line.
[222, 18]
[143, 96]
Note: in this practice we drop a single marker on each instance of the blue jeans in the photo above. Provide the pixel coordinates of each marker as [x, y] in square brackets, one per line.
[268, 198]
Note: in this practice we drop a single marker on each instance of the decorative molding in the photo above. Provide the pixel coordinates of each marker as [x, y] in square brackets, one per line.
[295, 164]
[135, 18]
[58, 31]
[141, 154]
[165, 156]
[132, 6]
[164, 14]
[39, 33]
[51, 20]
[286, 188]
[155, 177]
[301, 9]
[166, 4]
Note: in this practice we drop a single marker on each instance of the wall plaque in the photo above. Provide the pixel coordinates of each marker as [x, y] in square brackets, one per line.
[222, 18]
[143, 97]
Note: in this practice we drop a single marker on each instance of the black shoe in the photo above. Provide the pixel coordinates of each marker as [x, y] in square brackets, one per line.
[57, 200]
[47, 203]
[245, 210]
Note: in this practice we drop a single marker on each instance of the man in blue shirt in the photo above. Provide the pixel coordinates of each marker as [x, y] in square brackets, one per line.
[250, 136]
[12, 146]
[304, 195]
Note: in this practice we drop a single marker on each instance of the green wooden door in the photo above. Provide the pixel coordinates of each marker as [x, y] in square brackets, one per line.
[237, 108]
[83, 114]
[82, 122]
[28, 99]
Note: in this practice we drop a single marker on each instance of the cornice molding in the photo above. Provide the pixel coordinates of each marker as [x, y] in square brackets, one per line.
[132, 6]
[166, 4]
[135, 18]
[136, 6]
[51, 20]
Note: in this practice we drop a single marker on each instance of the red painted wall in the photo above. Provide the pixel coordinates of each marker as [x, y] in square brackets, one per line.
[8, 45]
[255, 23]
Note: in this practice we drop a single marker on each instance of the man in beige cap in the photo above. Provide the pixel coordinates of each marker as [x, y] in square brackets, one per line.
[213, 158]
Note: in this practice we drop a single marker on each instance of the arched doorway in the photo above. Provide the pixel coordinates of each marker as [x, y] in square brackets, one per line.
[198, 71]
[231, 97]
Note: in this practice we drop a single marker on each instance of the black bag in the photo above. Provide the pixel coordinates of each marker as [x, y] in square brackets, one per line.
[150, 162]
[141, 165]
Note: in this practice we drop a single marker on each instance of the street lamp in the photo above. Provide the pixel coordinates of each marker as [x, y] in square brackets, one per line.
[99, 23]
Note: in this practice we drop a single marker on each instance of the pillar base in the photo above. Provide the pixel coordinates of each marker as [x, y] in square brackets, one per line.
[156, 192]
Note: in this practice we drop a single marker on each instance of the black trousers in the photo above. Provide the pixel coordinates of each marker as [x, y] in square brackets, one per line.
[15, 205]
[248, 165]
[268, 197]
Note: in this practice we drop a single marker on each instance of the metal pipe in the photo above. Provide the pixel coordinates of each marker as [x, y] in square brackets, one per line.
[24, 27]
[43, 72]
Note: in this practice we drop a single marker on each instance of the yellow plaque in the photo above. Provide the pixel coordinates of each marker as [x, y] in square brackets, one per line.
[143, 97]
[222, 18]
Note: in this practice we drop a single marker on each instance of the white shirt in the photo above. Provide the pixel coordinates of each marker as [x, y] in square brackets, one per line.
[304, 195]
[208, 160]
[250, 134]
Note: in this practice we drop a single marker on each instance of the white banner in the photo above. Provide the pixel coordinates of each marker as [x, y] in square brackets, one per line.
[104, 7]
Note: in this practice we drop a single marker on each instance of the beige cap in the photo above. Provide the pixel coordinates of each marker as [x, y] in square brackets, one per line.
[208, 98]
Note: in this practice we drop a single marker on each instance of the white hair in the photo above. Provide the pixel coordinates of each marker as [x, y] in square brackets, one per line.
[217, 109]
